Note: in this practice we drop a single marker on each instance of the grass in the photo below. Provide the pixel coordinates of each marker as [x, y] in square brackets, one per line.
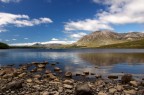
[132, 44]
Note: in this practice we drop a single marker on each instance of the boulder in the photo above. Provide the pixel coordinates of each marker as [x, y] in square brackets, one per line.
[126, 78]
[134, 83]
[16, 84]
[83, 89]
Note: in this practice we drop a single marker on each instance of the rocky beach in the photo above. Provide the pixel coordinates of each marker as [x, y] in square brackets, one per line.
[42, 81]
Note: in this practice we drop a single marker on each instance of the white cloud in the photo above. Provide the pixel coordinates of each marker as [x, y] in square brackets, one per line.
[54, 39]
[87, 25]
[8, 1]
[122, 11]
[19, 20]
[47, 42]
[14, 39]
[117, 12]
[2, 29]
[7, 40]
[78, 35]
[26, 38]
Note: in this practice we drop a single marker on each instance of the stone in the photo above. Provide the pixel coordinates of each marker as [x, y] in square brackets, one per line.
[7, 70]
[41, 65]
[22, 75]
[101, 93]
[112, 77]
[68, 86]
[112, 90]
[119, 87]
[68, 82]
[98, 76]
[47, 71]
[45, 93]
[92, 73]
[99, 82]
[83, 89]
[17, 84]
[56, 69]
[29, 80]
[37, 76]
[131, 92]
[68, 74]
[78, 74]
[51, 76]
[126, 78]
[133, 83]
[86, 72]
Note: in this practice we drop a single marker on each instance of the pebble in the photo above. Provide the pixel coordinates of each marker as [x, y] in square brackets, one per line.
[68, 86]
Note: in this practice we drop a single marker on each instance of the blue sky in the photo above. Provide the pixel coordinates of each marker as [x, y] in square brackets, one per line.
[65, 21]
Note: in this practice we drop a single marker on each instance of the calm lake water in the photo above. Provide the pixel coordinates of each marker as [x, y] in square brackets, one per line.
[109, 61]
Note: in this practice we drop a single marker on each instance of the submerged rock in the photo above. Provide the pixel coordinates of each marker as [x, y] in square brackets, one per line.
[56, 69]
[112, 77]
[68, 74]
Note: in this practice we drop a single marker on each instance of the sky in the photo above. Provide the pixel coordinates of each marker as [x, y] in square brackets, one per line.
[25, 22]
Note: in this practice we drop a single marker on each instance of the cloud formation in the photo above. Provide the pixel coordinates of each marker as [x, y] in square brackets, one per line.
[19, 20]
[47, 42]
[78, 35]
[87, 25]
[122, 11]
[8, 1]
[118, 12]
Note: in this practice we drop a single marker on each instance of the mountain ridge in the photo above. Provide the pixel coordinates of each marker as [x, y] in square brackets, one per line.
[105, 37]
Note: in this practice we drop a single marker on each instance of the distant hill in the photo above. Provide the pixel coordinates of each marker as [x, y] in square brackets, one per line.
[3, 46]
[100, 38]
[132, 44]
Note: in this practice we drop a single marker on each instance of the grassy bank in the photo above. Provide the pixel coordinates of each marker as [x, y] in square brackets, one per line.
[139, 44]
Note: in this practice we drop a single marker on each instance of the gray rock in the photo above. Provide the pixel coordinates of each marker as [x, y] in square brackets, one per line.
[83, 89]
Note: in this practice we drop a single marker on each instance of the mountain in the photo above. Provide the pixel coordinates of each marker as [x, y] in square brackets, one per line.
[105, 37]
[52, 45]
[3, 46]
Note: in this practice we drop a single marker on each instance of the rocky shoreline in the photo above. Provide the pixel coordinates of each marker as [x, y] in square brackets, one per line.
[41, 81]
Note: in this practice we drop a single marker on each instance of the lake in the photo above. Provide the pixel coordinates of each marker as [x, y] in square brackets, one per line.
[98, 61]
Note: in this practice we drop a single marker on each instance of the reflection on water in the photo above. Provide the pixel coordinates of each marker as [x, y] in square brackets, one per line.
[76, 60]
[107, 59]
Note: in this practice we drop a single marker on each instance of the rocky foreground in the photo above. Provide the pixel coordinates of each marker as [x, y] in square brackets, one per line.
[41, 81]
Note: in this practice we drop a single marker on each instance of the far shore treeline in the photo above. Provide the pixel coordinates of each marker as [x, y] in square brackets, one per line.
[3, 46]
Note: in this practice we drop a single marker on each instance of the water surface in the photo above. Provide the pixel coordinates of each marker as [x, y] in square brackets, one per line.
[108, 61]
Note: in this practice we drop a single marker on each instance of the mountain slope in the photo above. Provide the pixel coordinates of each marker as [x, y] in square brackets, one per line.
[132, 44]
[100, 38]
[3, 46]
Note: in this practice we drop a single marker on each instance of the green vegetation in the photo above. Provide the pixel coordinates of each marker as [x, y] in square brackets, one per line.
[132, 44]
[3, 46]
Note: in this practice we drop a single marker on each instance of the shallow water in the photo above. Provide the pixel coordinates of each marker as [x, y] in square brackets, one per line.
[108, 61]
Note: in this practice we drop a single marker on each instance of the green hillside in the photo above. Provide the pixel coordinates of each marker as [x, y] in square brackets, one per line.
[132, 44]
[3, 46]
